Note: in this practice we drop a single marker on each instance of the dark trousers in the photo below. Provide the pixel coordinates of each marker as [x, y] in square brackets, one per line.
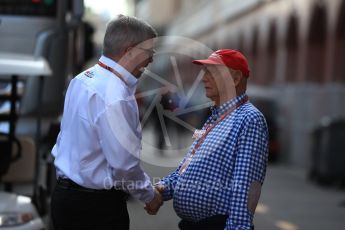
[216, 222]
[76, 208]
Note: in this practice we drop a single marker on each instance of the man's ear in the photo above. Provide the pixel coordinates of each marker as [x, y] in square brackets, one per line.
[237, 76]
[128, 51]
[125, 58]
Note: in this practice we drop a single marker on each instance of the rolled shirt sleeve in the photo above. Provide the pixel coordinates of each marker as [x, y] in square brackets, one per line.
[169, 183]
[119, 131]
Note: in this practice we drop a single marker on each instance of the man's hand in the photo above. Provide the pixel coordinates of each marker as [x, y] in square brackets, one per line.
[160, 188]
[153, 206]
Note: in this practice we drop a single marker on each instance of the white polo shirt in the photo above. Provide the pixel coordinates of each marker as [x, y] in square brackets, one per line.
[99, 143]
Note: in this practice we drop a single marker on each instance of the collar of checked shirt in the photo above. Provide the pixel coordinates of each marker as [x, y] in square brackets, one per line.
[218, 111]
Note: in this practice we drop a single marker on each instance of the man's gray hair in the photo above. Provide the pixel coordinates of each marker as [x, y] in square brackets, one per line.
[124, 32]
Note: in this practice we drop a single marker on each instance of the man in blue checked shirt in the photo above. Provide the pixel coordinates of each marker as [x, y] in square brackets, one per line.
[218, 183]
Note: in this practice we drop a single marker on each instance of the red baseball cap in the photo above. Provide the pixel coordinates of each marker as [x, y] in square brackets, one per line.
[230, 58]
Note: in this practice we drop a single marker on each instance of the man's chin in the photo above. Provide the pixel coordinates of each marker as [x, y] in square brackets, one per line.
[209, 96]
[137, 75]
[212, 98]
[139, 72]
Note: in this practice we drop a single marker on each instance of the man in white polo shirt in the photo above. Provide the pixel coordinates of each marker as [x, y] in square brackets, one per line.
[97, 150]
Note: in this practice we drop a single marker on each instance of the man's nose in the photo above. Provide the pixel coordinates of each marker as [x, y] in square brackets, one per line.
[204, 79]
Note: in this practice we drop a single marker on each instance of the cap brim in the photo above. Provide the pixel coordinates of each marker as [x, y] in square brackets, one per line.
[206, 62]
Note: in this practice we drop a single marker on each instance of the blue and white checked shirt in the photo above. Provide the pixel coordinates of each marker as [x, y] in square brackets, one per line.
[231, 157]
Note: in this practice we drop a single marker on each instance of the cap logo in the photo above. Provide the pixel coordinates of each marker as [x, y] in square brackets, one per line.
[216, 56]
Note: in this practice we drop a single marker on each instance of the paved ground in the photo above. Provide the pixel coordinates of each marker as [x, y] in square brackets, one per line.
[291, 202]
[288, 202]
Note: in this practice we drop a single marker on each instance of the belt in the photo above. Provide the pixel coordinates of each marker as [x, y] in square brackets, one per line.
[69, 184]
[212, 222]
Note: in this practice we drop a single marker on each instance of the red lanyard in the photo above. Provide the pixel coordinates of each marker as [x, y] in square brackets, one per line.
[101, 64]
[208, 129]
